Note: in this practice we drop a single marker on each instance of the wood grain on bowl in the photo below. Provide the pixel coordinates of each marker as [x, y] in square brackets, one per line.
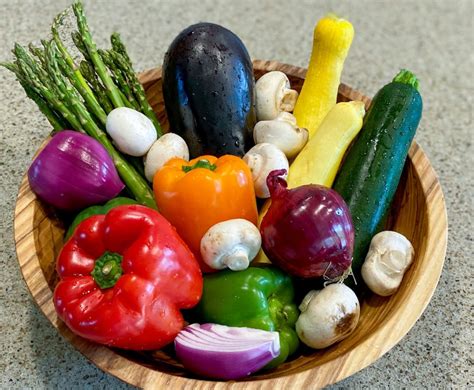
[418, 212]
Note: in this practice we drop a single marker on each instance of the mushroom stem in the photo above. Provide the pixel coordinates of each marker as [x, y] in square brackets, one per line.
[274, 95]
[238, 260]
[288, 100]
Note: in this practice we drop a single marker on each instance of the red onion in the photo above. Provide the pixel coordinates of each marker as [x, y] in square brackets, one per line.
[74, 171]
[307, 230]
[223, 352]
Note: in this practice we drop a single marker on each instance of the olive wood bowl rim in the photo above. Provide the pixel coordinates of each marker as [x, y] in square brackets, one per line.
[142, 376]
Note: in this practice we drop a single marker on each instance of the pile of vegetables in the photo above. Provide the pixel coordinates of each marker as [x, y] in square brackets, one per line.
[171, 222]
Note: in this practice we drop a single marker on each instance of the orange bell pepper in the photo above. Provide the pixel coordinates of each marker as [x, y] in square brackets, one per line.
[196, 195]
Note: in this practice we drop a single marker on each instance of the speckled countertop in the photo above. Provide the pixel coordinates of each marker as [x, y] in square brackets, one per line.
[433, 39]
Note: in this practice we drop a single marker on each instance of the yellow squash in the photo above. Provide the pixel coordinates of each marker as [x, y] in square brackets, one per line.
[331, 42]
[319, 160]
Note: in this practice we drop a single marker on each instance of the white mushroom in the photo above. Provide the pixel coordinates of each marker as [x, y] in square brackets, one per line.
[132, 132]
[390, 254]
[274, 95]
[327, 316]
[233, 244]
[165, 148]
[282, 132]
[262, 159]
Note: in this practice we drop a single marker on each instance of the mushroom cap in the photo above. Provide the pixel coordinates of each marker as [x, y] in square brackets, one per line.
[165, 148]
[132, 132]
[328, 315]
[233, 243]
[283, 133]
[262, 159]
[389, 256]
[273, 95]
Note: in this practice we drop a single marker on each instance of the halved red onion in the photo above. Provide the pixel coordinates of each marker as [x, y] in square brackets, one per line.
[74, 171]
[223, 352]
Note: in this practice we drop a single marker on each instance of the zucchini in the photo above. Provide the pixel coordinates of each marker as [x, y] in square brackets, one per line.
[370, 174]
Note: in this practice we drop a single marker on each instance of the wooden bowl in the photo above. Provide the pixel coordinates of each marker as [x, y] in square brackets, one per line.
[418, 212]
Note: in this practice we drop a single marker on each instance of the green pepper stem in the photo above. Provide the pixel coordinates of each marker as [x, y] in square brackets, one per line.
[107, 270]
[407, 77]
[200, 164]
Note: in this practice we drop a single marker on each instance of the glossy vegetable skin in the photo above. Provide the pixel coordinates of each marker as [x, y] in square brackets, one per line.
[257, 297]
[74, 171]
[124, 277]
[208, 89]
[195, 195]
[331, 42]
[320, 159]
[223, 352]
[307, 230]
[97, 210]
[371, 171]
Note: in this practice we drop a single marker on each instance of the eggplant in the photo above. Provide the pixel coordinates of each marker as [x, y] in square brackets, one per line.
[209, 90]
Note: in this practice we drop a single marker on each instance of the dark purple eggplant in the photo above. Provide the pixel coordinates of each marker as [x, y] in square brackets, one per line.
[209, 90]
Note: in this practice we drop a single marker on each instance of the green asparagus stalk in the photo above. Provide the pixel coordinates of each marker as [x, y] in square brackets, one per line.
[61, 83]
[38, 53]
[28, 60]
[132, 179]
[89, 74]
[55, 121]
[58, 86]
[87, 94]
[119, 47]
[76, 38]
[137, 88]
[119, 79]
[112, 90]
[46, 91]
[74, 74]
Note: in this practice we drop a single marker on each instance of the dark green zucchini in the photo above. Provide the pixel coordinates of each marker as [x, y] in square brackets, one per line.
[369, 176]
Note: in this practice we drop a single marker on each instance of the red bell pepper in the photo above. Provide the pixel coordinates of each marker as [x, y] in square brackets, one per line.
[124, 278]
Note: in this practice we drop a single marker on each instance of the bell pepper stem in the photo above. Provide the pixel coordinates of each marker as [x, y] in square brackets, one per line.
[200, 164]
[107, 270]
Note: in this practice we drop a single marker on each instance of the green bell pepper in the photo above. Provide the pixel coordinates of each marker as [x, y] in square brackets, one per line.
[258, 297]
[97, 210]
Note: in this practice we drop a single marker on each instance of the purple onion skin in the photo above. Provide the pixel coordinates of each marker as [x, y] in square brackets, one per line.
[308, 230]
[74, 171]
[214, 365]
[227, 365]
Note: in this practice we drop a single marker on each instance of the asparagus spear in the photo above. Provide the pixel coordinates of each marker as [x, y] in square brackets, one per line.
[87, 94]
[76, 38]
[28, 60]
[111, 88]
[74, 74]
[61, 83]
[47, 79]
[46, 91]
[38, 53]
[119, 79]
[119, 47]
[56, 121]
[137, 88]
[89, 74]
[136, 183]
